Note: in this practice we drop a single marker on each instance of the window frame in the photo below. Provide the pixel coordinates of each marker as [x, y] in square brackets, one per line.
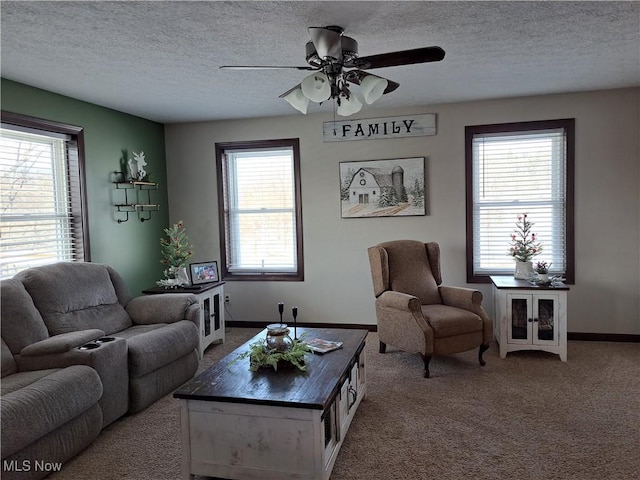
[77, 197]
[568, 125]
[220, 148]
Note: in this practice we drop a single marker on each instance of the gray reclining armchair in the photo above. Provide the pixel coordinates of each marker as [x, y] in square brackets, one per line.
[415, 312]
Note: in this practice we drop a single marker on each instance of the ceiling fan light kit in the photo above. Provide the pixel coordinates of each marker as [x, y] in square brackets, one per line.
[297, 100]
[349, 106]
[316, 87]
[373, 88]
[333, 58]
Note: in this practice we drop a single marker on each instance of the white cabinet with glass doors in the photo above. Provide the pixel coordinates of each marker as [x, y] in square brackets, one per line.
[529, 317]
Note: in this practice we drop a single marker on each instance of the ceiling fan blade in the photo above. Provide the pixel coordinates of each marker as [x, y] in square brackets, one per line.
[327, 42]
[289, 91]
[356, 77]
[403, 57]
[264, 67]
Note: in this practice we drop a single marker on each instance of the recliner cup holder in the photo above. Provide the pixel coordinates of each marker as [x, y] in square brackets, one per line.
[105, 339]
[89, 346]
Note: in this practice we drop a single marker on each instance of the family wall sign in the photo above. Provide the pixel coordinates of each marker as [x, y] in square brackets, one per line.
[377, 128]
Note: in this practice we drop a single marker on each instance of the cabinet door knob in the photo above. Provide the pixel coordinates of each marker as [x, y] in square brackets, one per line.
[529, 320]
[535, 319]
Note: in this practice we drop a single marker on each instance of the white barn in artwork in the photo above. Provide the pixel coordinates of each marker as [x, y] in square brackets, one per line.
[367, 184]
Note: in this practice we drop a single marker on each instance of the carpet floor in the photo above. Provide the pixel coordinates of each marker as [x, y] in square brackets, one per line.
[529, 417]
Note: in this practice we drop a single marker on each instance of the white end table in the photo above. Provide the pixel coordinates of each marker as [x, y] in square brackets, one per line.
[529, 317]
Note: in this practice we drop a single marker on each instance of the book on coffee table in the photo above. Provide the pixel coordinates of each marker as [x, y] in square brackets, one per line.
[320, 345]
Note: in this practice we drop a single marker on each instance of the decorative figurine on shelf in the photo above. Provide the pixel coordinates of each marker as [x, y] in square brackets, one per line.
[136, 168]
[176, 252]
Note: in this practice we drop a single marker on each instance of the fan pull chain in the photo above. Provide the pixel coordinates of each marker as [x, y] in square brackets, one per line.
[334, 117]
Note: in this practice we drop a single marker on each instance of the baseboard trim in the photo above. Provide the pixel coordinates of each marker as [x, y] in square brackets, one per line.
[235, 323]
[587, 337]
[603, 337]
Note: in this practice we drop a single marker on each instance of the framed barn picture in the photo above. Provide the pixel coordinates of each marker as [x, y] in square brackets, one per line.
[383, 188]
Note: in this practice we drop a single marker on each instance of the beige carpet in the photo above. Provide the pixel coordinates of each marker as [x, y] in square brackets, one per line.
[526, 417]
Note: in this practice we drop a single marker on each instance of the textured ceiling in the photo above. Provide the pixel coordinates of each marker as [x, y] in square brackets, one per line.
[159, 60]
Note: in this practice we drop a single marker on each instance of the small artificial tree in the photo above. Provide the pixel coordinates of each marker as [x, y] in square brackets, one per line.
[523, 242]
[176, 249]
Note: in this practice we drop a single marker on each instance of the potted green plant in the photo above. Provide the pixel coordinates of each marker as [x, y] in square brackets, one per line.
[261, 356]
[524, 246]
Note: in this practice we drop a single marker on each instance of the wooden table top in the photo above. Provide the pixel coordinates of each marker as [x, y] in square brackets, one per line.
[314, 388]
[203, 287]
[504, 281]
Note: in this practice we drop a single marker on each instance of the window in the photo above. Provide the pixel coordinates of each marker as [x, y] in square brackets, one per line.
[43, 209]
[512, 169]
[259, 210]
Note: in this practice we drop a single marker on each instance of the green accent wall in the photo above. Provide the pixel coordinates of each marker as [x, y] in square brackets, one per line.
[133, 247]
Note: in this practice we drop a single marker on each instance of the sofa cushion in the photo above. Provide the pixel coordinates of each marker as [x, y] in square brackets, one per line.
[22, 324]
[58, 446]
[158, 347]
[147, 389]
[448, 321]
[75, 296]
[137, 330]
[21, 379]
[39, 408]
[7, 362]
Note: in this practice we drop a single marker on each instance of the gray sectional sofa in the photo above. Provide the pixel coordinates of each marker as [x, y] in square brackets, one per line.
[78, 352]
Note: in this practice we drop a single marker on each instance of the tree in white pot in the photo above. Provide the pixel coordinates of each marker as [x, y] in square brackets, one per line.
[176, 250]
[524, 247]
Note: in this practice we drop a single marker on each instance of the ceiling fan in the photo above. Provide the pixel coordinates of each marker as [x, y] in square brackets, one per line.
[333, 59]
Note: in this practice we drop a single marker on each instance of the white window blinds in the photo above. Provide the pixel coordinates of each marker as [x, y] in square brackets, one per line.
[515, 173]
[40, 217]
[260, 211]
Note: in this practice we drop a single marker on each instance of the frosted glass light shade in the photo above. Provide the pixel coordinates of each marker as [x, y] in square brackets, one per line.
[316, 87]
[349, 107]
[372, 88]
[297, 100]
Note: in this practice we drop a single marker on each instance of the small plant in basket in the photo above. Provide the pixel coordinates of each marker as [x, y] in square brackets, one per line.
[542, 267]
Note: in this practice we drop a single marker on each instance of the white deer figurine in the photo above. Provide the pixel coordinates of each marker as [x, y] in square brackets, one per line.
[137, 171]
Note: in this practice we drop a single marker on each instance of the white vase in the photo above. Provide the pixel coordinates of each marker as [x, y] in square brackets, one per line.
[543, 277]
[182, 276]
[524, 270]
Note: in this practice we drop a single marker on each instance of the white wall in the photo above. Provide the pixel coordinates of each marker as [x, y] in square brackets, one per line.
[337, 286]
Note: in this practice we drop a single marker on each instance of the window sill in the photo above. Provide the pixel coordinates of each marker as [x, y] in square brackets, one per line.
[264, 277]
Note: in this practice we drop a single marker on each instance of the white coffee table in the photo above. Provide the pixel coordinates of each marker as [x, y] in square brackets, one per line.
[239, 424]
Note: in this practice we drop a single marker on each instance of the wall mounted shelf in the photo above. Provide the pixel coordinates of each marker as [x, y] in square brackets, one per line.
[137, 198]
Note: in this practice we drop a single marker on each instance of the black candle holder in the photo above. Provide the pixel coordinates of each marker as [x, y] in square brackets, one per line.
[294, 311]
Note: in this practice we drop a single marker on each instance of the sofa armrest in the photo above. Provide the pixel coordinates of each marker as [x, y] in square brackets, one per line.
[164, 308]
[460, 297]
[400, 301]
[61, 343]
[402, 324]
[471, 300]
